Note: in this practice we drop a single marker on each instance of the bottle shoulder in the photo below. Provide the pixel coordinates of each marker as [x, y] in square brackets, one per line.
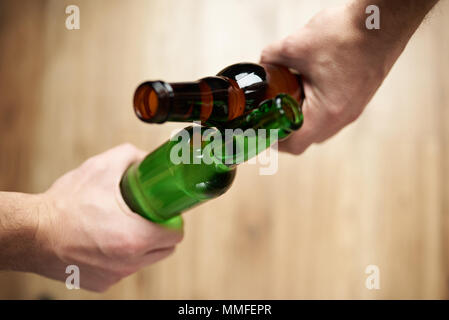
[205, 181]
[245, 74]
[236, 69]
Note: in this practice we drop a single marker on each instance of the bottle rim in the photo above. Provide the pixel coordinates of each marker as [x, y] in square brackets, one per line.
[152, 101]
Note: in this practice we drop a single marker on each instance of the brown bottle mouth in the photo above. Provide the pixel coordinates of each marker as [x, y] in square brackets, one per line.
[152, 101]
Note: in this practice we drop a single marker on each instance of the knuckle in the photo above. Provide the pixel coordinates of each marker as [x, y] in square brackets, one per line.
[129, 248]
[113, 276]
[100, 166]
[352, 117]
[128, 147]
[125, 246]
[177, 237]
[88, 163]
[292, 148]
[123, 272]
[170, 250]
[322, 17]
[288, 47]
[94, 165]
[265, 55]
[335, 111]
[334, 114]
[170, 237]
[341, 115]
[101, 288]
[296, 150]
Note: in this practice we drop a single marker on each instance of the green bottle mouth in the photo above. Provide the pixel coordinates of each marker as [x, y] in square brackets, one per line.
[282, 113]
[291, 110]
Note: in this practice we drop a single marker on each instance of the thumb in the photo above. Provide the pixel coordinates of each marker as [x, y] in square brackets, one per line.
[273, 54]
[290, 52]
[123, 155]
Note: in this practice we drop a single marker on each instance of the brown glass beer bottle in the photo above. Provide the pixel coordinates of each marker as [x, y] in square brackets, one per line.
[215, 100]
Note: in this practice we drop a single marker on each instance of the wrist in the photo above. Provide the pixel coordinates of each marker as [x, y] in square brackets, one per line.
[378, 48]
[20, 224]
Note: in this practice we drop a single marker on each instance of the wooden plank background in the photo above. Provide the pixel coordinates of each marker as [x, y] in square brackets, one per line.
[377, 193]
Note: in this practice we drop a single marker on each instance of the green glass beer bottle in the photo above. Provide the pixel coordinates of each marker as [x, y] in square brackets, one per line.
[163, 185]
[215, 101]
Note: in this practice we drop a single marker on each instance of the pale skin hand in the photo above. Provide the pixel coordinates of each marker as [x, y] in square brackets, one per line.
[343, 63]
[82, 220]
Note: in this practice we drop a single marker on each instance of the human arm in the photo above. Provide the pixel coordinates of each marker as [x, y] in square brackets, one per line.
[82, 220]
[344, 63]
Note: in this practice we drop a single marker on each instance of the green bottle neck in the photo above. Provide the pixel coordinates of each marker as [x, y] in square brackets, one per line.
[273, 120]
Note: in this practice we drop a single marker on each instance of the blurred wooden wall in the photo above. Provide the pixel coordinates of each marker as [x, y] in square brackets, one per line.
[378, 193]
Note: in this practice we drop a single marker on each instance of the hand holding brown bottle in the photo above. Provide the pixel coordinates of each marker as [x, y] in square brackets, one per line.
[343, 63]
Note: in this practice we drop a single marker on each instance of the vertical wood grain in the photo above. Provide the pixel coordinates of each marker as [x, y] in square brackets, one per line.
[377, 193]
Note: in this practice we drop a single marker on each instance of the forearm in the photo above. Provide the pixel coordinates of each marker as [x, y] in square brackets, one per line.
[343, 61]
[19, 222]
[399, 19]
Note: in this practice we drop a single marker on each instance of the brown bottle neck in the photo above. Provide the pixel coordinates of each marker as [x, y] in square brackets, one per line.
[188, 101]
[219, 97]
